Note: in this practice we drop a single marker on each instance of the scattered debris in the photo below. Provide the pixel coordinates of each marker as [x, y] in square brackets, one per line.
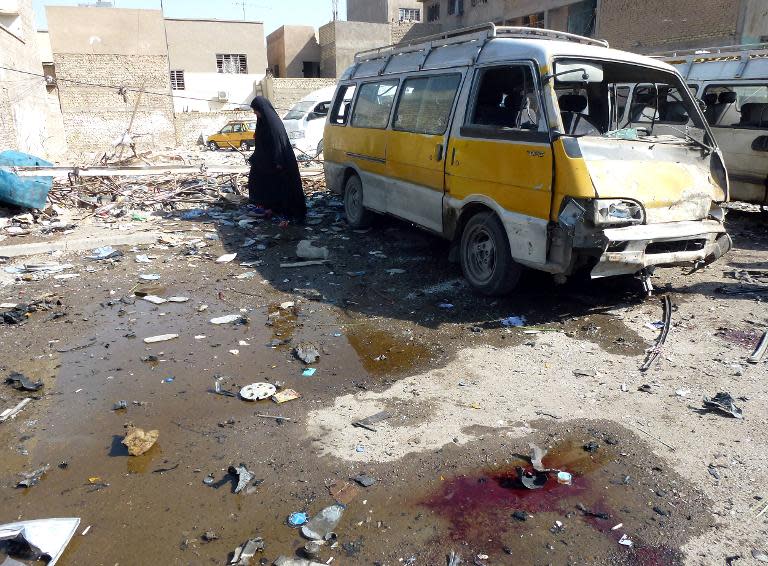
[759, 352]
[305, 250]
[41, 538]
[257, 391]
[120, 406]
[154, 299]
[309, 372]
[513, 322]
[105, 252]
[323, 523]
[12, 412]
[591, 447]
[22, 383]
[226, 258]
[302, 263]
[138, 441]
[537, 454]
[287, 561]
[244, 476]
[759, 555]
[245, 552]
[229, 319]
[209, 536]
[453, 558]
[625, 541]
[32, 478]
[161, 338]
[364, 480]
[521, 516]
[307, 352]
[297, 518]
[373, 419]
[723, 402]
[285, 395]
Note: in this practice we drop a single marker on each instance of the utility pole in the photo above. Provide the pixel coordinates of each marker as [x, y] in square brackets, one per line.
[335, 8]
[243, 4]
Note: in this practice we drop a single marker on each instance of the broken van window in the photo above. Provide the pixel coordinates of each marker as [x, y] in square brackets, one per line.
[373, 105]
[737, 106]
[506, 98]
[425, 104]
[650, 103]
[342, 105]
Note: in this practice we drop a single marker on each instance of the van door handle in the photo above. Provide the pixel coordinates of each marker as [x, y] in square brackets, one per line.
[453, 157]
[439, 153]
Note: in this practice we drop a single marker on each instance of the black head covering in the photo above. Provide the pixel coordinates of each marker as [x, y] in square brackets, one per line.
[274, 181]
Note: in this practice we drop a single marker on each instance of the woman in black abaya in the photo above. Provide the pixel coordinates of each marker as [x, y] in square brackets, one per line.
[274, 182]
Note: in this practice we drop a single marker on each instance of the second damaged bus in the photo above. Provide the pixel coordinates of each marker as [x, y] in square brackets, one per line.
[514, 144]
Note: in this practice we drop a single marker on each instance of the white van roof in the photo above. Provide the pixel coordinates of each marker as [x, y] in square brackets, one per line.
[486, 44]
[322, 95]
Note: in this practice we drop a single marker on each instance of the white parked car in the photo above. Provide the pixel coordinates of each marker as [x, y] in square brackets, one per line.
[305, 123]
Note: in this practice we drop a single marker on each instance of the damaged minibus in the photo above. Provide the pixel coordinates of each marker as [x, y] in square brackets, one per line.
[514, 144]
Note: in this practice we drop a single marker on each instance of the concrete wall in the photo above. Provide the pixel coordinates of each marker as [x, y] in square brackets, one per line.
[114, 48]
[23, 98]
[289, 47]
[340, 41]
[193, 44]
[284, 93]
[408, 31]
[654, 25]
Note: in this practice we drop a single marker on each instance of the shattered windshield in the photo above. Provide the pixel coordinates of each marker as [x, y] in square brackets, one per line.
[300, 110]
[631, 102]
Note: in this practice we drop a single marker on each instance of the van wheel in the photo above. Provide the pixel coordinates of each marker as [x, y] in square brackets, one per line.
[357, 215]
[212, 146]
[244, 146]
[485, 256]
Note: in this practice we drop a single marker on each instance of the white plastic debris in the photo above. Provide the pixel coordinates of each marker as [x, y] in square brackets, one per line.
[230, 318]
[161, 338]
[149, 276]
[178, 299]
[226, 258]
[154, 299]
[46, 537]
[306, 250]
[625, 540]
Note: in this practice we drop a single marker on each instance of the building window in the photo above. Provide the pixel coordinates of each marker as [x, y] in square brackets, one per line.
[433, 12]
[534, 20]
[581, 18]
[455, 7]
[177, 80]
[410, 15]
[234, 63]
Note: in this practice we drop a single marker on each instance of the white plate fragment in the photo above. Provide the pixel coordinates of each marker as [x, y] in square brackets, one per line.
[226, 319]
[154, 299]
[161, 338]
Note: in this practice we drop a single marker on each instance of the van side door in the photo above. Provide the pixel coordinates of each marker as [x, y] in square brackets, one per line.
[500, 154]
[416, 147]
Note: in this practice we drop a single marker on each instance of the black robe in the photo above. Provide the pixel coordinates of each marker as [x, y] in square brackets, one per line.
[274, 181]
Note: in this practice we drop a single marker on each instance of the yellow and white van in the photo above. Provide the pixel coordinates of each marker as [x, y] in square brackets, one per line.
[509, 142]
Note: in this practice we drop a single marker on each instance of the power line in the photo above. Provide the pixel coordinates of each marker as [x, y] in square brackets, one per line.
[119, 88]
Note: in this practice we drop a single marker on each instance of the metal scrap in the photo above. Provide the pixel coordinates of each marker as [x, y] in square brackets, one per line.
[759, 352]
[23, 383]
[723, 402]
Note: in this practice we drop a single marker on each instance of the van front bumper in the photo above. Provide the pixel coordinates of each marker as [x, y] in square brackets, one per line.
[630, 249]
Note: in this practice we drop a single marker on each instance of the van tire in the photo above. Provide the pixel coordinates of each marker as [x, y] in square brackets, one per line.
[485, 256]
[213, 146]
[357, 215]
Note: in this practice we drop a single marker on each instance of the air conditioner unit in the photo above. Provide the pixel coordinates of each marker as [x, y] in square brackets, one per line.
[223, 96]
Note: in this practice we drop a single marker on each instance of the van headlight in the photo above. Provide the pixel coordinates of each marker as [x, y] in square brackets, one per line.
[617, 212]
[296, 135]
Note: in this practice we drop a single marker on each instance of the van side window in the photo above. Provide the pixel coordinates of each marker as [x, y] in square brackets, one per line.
[226, 130]
[374, 103]
[505, 101]
[342, 105]
[737, 106]
[425, 104]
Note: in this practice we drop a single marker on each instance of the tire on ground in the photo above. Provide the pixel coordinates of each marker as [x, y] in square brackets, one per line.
[485, 256]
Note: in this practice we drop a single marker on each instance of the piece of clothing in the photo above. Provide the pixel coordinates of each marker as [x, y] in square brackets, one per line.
[274, 181]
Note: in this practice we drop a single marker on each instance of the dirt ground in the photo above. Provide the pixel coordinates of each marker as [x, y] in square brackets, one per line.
[464, 397]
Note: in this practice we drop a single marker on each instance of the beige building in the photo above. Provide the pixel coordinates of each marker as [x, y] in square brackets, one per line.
[293, 52]
[636, 25]
[112, 71]
[384, 11]
[215, 64]
[22, 90]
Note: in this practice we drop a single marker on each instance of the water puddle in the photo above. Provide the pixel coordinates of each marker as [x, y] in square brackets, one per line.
[611, 334]
[387, 353]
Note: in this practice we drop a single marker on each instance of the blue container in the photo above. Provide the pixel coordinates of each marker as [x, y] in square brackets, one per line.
[26, 192]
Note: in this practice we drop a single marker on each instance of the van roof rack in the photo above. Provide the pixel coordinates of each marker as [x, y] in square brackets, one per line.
[483, 32]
